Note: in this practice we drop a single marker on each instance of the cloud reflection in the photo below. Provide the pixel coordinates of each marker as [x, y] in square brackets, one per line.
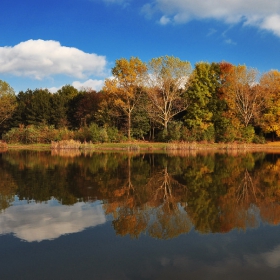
[49, 220]
[270, 258]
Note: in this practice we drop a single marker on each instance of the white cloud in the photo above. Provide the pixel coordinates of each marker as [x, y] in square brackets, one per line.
[230, 42]
[123, 3]
[211, 32]
[39, 59]
[37, 222]
[148, 10]
[54, 89]
[270, 258]
[272, 23]
[164, 20]
[88, 84]
[264, 14]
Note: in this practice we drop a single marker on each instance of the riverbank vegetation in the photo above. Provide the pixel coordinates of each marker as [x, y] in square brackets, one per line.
[163, 100]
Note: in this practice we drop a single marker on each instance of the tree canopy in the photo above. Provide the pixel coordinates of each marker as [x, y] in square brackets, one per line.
[162, 100]
[7, 101]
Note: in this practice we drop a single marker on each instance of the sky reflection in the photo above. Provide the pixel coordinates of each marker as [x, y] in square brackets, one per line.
[49, 220]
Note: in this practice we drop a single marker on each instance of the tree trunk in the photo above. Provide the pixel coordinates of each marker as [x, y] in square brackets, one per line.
[129, 126]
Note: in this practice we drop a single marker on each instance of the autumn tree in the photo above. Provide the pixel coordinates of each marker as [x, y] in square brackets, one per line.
[7, 101]
[242, 93]
[166, 83]
[270, 88]
[126, 86]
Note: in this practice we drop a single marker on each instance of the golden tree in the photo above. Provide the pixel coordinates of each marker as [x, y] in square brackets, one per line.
[126, 86]
[270, 86]
[242, 93]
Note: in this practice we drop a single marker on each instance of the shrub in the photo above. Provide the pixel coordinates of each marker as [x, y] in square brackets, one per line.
[3, 145]
[113, 134]
[198, 134]
[103, 136]
[174, 131]
[259, 139]
[187, 135]
[94, 132]
[83, 134]
[37, 134]
[162, 136]
[229, 134]
[247, 134]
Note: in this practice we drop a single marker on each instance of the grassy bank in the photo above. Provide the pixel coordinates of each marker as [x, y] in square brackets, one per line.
[146, 146]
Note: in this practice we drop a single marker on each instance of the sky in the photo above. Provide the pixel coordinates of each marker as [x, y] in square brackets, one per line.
[51, 43]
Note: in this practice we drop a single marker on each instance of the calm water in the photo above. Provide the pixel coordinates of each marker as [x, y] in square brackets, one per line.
[139, 216]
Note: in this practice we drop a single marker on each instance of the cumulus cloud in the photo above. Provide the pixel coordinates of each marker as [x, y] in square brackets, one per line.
[37, 222]
[264, 14]
[91, 84]
[88, 84]
[270, 258]
[148, 10]
[272, 23]
[39, 59]
[164, 20]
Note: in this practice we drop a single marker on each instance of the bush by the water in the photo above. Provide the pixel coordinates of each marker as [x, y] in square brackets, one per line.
[3, 145]
[32, 134]
[97, 134]
[37, 134]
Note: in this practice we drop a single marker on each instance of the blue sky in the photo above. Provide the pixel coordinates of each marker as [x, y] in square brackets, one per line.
[50, 43]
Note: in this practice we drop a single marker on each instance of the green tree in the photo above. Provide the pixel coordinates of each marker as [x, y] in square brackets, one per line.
[64, 103]
[202, 94]
[8, 102]
[34, 107]
[87, 107]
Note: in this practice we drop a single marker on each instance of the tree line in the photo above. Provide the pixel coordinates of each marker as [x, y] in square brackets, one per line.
[162, 100]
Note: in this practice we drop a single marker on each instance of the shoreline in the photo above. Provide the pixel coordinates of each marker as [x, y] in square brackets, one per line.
[150, 147]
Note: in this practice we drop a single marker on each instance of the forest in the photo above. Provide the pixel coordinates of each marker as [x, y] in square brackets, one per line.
[163, 100]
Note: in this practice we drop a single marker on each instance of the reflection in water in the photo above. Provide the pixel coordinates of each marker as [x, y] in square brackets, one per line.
[160, 194]
[40, 221]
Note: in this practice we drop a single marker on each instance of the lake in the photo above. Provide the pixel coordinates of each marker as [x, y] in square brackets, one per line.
[73, 215]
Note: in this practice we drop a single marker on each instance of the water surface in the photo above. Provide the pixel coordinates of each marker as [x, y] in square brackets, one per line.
[139, 216]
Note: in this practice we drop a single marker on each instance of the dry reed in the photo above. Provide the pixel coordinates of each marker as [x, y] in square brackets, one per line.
[66, 144]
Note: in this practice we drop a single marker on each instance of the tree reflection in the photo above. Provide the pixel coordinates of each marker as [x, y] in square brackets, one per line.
[162, 195]
[8, 190]
[239, 205]
[160, 214]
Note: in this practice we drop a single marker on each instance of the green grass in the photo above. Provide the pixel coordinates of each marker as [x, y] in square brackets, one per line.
[19, 146]
[154, 146]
